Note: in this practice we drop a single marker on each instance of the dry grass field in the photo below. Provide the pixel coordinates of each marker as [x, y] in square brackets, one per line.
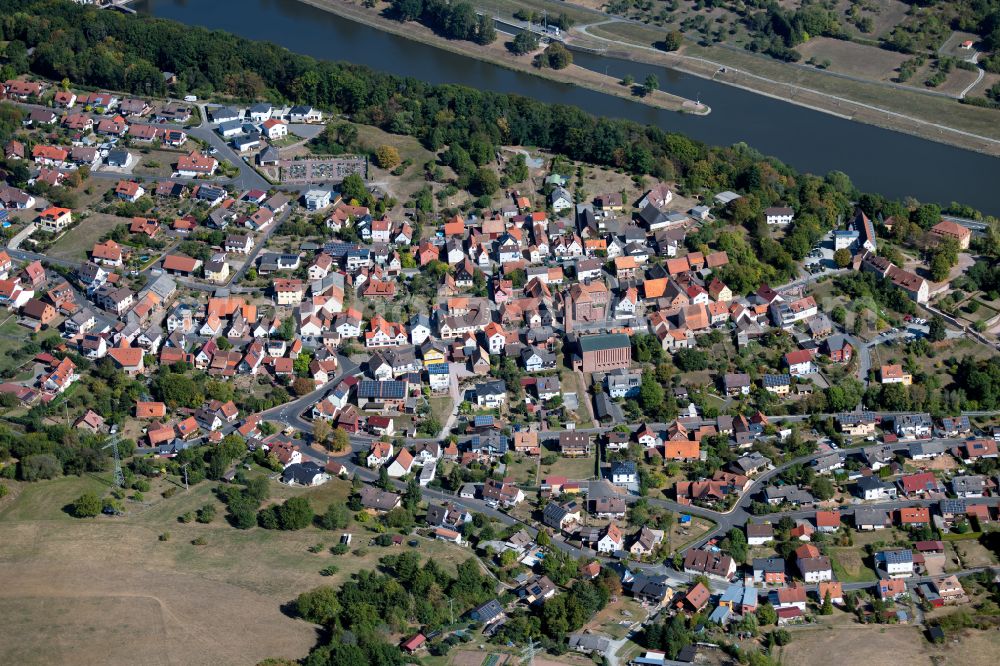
[973, 554]
[108, 591]
[849, 566]
[887, 646]
[76, 243]
[853, 59]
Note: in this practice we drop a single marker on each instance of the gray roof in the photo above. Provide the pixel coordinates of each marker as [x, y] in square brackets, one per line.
[972, 483]
[790, 494]
[301, 473]
[589, 642]
[953, 506]
[605, 408]
[624, 467]
[555, 513]
[381, 390]
[776, 380]
[870, 515]
[769, 564]
[828, 461]
[605, 341]
[871, 483]
[378, 499]
[927, 448]
[495, 387]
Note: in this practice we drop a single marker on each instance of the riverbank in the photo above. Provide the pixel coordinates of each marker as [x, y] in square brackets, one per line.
[876, 112]
[497, 54]
[925, 114]
[849, 100]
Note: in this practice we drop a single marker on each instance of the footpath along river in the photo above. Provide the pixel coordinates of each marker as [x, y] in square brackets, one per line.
[877, 160]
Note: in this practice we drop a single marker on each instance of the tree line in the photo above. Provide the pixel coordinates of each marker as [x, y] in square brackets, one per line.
[404, 592]
[455, 20]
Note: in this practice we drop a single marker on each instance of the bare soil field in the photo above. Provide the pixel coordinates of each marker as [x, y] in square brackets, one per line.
[942, 463]
[869, 62]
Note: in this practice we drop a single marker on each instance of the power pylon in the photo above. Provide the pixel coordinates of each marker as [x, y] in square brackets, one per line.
[119, 475]
[528, 653]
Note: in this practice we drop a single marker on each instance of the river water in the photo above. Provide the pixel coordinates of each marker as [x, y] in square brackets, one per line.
[877, 160]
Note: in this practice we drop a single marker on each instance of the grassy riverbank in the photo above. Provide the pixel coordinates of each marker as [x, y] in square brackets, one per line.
[929, 117]
[912, 111]
[496, 53]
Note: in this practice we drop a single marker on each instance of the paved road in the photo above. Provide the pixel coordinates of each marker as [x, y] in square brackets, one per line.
[22, 255]
[291, 414]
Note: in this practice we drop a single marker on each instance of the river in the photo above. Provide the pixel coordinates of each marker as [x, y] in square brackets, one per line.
[877, 160]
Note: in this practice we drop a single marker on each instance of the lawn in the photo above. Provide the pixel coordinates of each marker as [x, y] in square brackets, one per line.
[77, 242]
[849, 567]
[12, 336]
[441, 407]
[73, 586]
[523, 470]
[911, 103]
[982, 312]
[157, 163]
[571, 468]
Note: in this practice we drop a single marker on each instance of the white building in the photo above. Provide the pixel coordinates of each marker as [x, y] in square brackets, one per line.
[896, 563]
[779, 215]
[316, 199]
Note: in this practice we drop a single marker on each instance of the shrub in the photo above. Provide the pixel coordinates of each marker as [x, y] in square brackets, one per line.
[206, 514]
[86, 505]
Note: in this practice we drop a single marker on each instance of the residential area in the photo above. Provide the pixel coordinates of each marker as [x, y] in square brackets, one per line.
[576, 390]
